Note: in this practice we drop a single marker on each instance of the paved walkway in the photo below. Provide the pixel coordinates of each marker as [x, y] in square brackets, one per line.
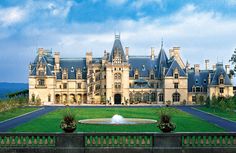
[6, 126]
[226, 124]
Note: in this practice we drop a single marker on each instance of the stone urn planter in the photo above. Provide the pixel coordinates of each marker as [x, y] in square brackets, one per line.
[69, 123]
[165, 124]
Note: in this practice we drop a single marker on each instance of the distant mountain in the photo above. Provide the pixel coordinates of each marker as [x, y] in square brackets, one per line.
[6, 88]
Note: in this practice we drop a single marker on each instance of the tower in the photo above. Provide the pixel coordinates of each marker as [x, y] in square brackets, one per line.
[117, 72]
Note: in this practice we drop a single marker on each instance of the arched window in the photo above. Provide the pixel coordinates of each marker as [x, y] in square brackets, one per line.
[138, 97]
[117, 76]
[145, 97]
[153, 97]
[176, 97]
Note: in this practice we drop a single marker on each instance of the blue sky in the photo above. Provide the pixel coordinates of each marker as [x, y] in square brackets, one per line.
[204, 29]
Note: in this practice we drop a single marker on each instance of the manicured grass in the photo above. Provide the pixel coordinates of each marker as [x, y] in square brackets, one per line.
[15, 112]
[50, 122]
[224, 114]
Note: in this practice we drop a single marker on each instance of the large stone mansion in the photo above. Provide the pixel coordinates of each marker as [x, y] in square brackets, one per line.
[119, 78]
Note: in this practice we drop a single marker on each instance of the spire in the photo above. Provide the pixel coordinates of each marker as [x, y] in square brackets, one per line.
[161, 43]
[117, 36]
[117, 49]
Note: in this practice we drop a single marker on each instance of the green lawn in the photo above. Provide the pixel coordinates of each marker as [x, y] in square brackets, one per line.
[50, 122]
[15, 112]
[225, 114]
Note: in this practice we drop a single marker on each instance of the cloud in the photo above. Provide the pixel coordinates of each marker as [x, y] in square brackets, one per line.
[201, 35]
[231, 2]
[141, 3]
[117, 2]
[12, 15]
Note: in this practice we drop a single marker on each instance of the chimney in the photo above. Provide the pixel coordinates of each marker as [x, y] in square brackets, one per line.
[152, 53]
[127, 53]
[40, 52]
[214, 67]
[187, 66]
[88, 58]
[197, 68]
[176, 51]
[206, 64]
[227, 67]
[57, 61]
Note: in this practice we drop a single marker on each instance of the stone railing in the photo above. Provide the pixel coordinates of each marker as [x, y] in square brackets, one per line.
[118, 142]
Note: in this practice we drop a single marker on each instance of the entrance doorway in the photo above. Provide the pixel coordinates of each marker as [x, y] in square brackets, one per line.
[117, 98]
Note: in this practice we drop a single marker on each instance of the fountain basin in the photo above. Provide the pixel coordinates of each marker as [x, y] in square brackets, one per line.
[125, 121]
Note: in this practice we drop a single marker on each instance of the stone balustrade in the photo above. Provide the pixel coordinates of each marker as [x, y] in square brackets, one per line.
[118, 142]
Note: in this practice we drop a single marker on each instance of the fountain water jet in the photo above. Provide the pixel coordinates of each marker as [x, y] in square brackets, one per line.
[117, 120]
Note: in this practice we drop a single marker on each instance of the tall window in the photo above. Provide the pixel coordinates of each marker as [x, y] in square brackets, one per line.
[176, 76]
[176, 97]
[176, 85]
[194, 99]
[49, 98]
[117, 85]
[64, 85]
[79, 85]
[161, 97]
[221, 90]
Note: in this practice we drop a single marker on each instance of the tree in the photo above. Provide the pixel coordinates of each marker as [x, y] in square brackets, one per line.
[233, 60]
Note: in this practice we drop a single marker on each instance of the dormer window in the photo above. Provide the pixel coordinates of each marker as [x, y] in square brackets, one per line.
[41, 73]
[205, 81]
[72, 69]
[221, 81]
[64, 76]
[176, 75]
[196, 81]
[152, 76]
[136, 76]
[143, 68]
[155, 67]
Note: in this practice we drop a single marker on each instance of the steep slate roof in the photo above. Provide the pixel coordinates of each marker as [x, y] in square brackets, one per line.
[117, 46]
[220, 71]
[197, 79]
[72, 65]
[162, 62]
[144, 64]
[173, 66]
[45, 59]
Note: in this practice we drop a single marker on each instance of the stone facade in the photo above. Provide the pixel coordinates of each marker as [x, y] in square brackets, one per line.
[118, 78]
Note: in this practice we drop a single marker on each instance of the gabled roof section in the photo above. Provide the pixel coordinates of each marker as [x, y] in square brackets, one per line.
[174, 65]
[144, 64]
[71, 65]
[220, 71]
[162, 61]
[117, 46]
[45, 59]
[198, 79]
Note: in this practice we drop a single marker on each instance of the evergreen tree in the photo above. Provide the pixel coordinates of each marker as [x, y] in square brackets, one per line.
[233, 60]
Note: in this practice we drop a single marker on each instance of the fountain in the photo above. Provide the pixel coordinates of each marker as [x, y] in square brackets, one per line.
[117, 120]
